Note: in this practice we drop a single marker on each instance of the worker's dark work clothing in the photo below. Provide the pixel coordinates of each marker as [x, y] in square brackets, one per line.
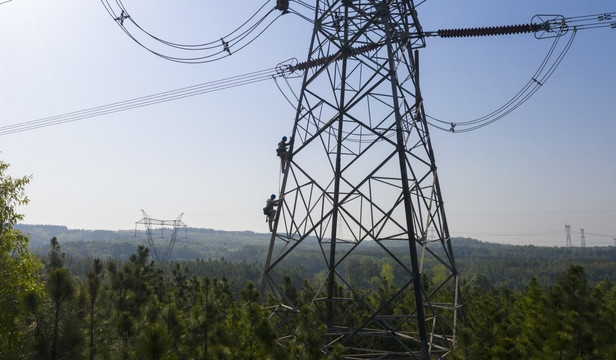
[270, 212]
[282, 153]
[269, 206]
[282, 149]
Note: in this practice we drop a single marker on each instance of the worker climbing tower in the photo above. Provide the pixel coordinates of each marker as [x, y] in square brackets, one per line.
[360, 179]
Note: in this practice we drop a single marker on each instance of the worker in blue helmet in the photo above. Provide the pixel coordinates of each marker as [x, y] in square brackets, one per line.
[282, 152]
[269, 210]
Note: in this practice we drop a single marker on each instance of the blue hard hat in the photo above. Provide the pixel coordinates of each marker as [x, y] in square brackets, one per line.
[273, 196]
[284, 138]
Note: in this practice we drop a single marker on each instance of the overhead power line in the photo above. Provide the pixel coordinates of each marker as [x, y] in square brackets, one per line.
[537, 80]
[194, 53]
[543, 26]
[134, 103]
[284, 70]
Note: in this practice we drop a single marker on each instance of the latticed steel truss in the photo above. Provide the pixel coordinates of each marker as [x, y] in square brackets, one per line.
[161, 254]
[360, 176]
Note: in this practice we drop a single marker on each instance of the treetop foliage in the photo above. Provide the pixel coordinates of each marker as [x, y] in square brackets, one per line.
[18, 268]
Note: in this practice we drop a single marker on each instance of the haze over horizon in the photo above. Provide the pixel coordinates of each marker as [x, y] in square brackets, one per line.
[141, 229]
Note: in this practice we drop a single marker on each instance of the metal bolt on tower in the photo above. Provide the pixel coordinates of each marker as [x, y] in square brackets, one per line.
[361, 177]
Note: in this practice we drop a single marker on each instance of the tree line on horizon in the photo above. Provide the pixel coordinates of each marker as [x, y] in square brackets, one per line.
[503, 265]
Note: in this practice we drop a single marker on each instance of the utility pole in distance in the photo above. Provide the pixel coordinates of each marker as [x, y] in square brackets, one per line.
[568, 233]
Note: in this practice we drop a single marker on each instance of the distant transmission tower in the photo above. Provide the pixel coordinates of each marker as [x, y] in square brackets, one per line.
[161, 254]
[583, 238]
[360, 176]
[568, 232]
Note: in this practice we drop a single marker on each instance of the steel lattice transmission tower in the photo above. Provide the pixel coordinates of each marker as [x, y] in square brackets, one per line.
[582, 238]
[568, 235]
[360, 177]
[164, 253]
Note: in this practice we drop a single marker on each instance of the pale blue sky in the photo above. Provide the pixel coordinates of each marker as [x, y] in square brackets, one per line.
[212, 156]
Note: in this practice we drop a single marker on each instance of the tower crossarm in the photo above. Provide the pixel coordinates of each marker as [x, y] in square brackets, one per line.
[150, 221]
[543, 26]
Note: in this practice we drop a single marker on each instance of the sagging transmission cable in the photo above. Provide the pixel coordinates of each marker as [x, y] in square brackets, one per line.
[543, 27]
[538, 79]
[197, 53]
[176, 94]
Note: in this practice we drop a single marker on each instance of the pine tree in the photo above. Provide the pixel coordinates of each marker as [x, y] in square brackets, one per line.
[155, 343]
[56, 316]
[254, 333]
[573, 320]
[94, 284]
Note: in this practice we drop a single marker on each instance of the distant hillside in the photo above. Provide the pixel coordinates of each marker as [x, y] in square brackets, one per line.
[514, 265]
[508, 265]
[190, 244]
[42, 234]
